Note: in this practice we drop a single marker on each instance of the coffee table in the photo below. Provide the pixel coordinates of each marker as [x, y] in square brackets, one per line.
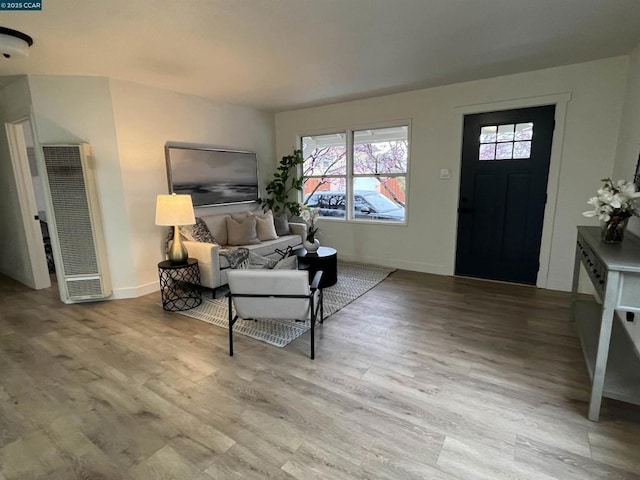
[325, 259]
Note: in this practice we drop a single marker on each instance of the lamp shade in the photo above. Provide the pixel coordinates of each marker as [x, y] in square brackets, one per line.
[174, 210]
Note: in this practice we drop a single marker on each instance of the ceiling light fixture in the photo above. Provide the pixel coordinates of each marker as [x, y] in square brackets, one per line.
[13, 42]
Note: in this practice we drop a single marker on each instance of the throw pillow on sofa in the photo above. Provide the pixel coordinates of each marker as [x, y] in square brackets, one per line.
[258, 262]
[282, 224]
[287, 263]
[240, 216]
[199, 232]
[265, 227]
[218, 227]
[196, 233]
[242, 233]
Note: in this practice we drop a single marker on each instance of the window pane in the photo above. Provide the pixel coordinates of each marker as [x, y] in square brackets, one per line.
[324, 155]
[505, 133]
[524, 131]
[488, 134]
[521, 149]
[379, 198]
[488, 151]
[381, 150]
[504, 151]
[326, 193]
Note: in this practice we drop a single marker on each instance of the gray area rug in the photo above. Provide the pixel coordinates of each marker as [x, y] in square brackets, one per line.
[353, 281]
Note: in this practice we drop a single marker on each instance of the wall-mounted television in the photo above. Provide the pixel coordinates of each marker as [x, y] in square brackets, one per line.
[212, 176]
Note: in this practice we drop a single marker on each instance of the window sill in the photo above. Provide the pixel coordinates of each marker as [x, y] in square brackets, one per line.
[364, 222]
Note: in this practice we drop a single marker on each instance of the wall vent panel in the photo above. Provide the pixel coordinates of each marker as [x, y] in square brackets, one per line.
[77, 223]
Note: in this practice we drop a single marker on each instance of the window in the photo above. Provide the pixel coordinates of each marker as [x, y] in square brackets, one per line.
[357, 174]
[506, 142]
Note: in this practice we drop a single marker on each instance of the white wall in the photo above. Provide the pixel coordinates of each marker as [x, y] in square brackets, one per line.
[15, 104]
[127, 126]
[70, 109]
[583, 151]
[145, 120]
[629, 138]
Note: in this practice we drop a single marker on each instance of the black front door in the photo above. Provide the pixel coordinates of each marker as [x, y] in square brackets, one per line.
[503, 185]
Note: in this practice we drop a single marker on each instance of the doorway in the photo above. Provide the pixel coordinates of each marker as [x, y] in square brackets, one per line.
[31, 195]
[39, 193]
[503, 185]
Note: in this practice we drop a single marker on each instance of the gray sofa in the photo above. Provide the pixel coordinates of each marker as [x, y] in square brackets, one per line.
[214, 266]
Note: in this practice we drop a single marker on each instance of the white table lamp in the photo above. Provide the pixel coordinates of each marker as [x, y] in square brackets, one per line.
[175, 210]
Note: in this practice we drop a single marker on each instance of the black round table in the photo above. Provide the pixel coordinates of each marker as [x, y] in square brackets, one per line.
[325, 259]
[179, 285]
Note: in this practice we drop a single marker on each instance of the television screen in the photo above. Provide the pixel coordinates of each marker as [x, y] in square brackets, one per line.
[212, 176]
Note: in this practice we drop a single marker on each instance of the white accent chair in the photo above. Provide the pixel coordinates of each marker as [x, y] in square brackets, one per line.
[282, 294]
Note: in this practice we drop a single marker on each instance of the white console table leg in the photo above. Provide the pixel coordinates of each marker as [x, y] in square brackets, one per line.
[606, 323]
[576, 278]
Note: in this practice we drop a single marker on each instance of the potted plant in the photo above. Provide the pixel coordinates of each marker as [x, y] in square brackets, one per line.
[285, 181]
[613, 206]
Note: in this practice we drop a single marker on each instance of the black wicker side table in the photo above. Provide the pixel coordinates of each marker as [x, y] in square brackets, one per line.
[180, 285]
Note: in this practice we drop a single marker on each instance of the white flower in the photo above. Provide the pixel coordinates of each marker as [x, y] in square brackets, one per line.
[614, 200]
[309, 215]
[628, 191]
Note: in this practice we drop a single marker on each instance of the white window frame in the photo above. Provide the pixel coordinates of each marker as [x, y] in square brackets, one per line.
[349, 176]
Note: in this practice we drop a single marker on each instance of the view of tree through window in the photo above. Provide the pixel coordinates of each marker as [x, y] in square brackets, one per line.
[367, 182]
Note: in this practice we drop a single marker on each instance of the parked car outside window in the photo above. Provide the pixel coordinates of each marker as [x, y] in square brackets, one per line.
[370, 205]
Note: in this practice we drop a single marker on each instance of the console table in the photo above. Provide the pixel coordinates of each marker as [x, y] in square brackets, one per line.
[609, 332]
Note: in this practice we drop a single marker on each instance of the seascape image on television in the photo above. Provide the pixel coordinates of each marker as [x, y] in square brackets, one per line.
[214, 177]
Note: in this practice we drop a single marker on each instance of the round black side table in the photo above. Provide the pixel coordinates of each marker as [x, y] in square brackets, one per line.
[179, 285]
[325, 259]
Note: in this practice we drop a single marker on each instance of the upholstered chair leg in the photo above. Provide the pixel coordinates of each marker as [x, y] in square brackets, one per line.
[313, 334]
[312, 314]
[230, 326]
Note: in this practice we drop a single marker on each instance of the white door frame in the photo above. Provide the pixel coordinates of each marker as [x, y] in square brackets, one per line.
[28, 205]
[560, 100]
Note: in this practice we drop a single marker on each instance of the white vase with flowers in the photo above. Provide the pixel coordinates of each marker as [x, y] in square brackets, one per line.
[614, 203]
[310, 217]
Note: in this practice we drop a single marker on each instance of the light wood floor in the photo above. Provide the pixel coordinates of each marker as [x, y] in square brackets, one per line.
[424, 377]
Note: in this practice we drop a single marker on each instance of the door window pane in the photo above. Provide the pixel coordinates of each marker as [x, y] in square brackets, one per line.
[524, 131]
[504, 151]
[488, 151]
[505, 133]
[522, 150]
[488, 134]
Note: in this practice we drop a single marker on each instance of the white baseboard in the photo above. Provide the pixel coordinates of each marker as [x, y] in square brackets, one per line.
[139, 291]
[18, 278]
[558, 285]
[134, 292]
[400, 264]
[561, 285]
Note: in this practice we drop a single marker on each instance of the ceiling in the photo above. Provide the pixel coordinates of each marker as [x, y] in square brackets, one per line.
[283, 54]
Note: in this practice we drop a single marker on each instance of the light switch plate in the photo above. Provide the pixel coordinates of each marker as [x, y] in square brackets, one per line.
[445, 173]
